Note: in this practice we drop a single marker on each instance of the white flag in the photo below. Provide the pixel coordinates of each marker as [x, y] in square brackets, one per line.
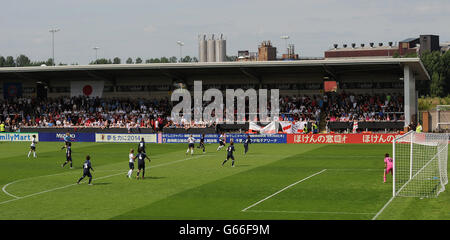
[86, 88]
[286, 126]
[270, 128]
[298, 127]
[253, 126]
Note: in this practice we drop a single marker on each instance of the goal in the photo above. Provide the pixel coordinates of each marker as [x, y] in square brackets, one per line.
[420, 164]
[443, 118]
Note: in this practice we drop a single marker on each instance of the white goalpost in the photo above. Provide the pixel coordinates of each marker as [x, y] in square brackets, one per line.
[443, 118]
[420, 164]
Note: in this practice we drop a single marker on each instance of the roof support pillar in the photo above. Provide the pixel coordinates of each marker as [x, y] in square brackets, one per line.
[410, 99]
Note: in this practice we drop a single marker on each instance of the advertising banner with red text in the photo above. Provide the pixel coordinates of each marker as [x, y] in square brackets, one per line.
[342, 138]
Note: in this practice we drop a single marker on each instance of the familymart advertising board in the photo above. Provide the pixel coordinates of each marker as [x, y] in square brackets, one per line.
[17, 137]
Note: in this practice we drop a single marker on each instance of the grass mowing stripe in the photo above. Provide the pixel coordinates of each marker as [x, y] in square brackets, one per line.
[309, 212]
[112, 175]
[260, 201]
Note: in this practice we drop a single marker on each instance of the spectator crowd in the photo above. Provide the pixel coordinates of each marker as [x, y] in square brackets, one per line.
[156, 113]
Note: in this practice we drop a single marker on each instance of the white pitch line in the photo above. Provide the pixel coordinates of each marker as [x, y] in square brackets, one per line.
[49, 175]
[7, 193]
[355, 169]
[260, 201]
[382, 209]
[309, 212]
[112, 175]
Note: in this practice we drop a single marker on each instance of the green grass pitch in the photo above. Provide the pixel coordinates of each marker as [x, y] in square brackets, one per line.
[273, 181]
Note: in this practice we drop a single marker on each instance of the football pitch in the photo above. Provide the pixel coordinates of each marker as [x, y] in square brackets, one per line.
[273, 181]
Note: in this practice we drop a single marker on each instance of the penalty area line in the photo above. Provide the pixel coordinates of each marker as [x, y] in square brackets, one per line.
[73, 184]
[260, 201]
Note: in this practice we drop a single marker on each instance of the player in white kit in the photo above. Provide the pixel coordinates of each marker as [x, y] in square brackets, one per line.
[191, 142]
[221, 141]
[131, 159]
[33, 146]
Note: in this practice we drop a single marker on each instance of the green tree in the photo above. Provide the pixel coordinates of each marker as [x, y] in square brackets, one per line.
[138, 60]
[164, 60]
[116, 60]
[102, 61]
[187, 59]
[49, 62]
[23, 61]
[172, 59]
[10, 62]
[2, 61]
[446, 70]
[437, 67]
[437, 85]
[129, 61]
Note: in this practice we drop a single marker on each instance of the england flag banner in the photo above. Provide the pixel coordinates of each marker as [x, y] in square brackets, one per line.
[86, 88]
[272, 127]
[297, 127]
[355, 126]
[253, 126]
[286, 126]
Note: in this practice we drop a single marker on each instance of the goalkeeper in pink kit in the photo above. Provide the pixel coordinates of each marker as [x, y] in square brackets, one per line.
[388, 165]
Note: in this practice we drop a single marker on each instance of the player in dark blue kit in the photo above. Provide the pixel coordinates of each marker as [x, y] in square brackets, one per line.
[141, 156]
[68, 155]
[141, 147]
[67, 139]
[86, 170]
[247, 141]
[202, 143]
[230, 150]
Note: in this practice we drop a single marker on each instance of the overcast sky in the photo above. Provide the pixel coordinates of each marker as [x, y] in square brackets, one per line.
[145, 28]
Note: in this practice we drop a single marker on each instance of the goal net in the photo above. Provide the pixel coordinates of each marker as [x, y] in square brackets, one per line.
[420, 164]
[443, 118]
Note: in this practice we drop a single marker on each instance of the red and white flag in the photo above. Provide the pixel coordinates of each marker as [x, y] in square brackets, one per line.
[286, 126]
[355, 126]
[297, 127]
[270, 128]
[86, 88]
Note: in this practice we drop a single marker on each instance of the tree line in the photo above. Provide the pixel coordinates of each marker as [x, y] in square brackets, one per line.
[23, 61]
[139, 60]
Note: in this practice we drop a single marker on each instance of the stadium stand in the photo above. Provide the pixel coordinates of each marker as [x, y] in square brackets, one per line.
[373, 112]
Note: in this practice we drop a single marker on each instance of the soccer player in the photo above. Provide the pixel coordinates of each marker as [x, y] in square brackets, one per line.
[33, 146]
[67, 139]
[191, 141]
[141, 156]
[202, 143]
[86, 170]
[230, 151]
[141, 145]
[246, 143]
[131, 160]
[68, 155]
[221, 141]
[388, 165]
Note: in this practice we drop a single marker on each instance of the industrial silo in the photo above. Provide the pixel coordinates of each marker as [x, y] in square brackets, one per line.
[221, 49]
[211, 54]
[202, 54]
